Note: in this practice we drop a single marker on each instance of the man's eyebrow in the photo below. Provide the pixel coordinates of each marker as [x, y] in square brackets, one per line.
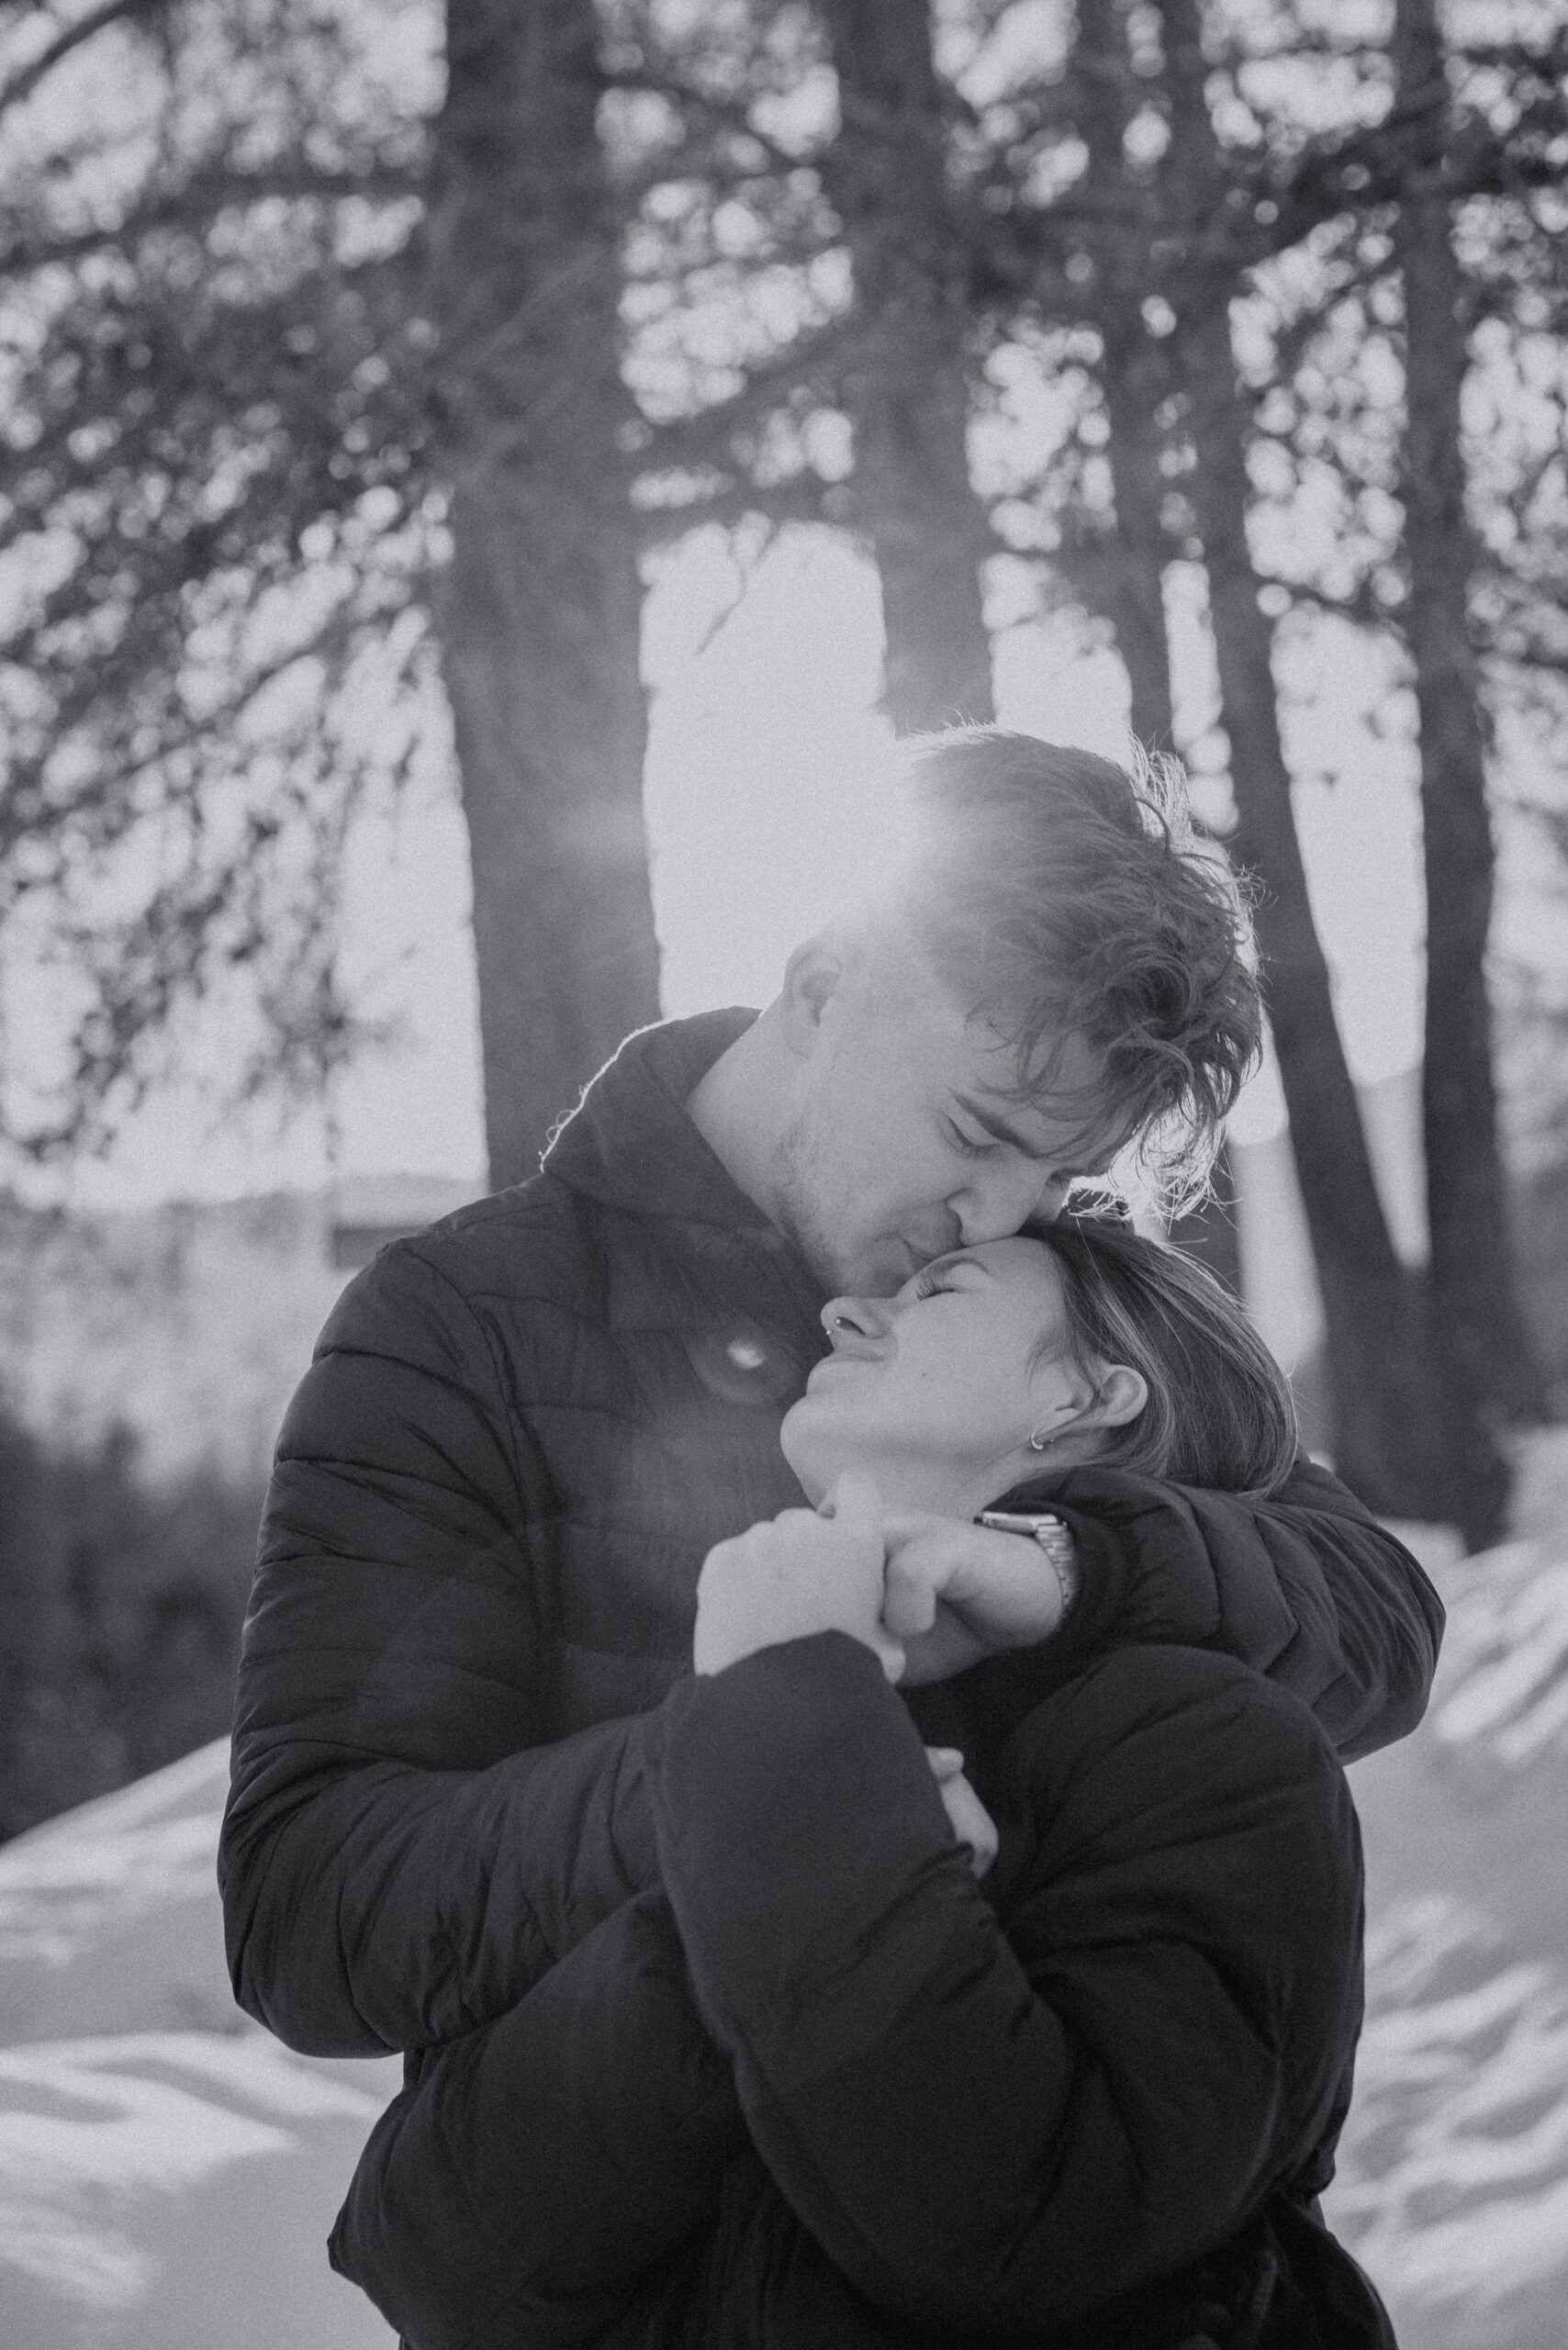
[996, 1126]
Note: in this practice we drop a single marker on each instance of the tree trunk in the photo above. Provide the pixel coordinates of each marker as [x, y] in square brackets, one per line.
[1134, 378]
[1472, 1273]
[1213, 1231]
[908, 395]
[541, 612]
[1400, 1438]
[1137, 380]
[1391, 1420]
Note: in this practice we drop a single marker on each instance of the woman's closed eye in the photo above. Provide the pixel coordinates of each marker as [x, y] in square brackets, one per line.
[967, 1143]
[936, 1278]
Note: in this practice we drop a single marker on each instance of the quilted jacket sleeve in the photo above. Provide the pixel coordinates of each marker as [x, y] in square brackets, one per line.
[1306, 1587]
[536, 2173]
[403, 1852]
[1006, 2132]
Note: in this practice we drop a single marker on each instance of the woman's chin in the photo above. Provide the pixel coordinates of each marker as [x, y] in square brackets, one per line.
[803, 1439]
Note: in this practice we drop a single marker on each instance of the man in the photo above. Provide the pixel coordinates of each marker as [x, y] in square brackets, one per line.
[523, 1430]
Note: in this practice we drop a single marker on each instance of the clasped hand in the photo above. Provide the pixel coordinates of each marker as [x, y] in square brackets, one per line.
[928, 1595]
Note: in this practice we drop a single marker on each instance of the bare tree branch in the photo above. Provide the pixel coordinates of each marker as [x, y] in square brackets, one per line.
[703, 110]
[804, 497]
[25, 82]
[198, 201]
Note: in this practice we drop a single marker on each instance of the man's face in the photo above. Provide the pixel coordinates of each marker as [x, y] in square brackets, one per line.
[905, 1142]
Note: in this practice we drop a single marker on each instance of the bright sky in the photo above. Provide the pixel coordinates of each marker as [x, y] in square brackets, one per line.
[765, 808]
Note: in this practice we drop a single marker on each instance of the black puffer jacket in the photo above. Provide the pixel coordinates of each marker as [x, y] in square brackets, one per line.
[822, 2089]
[521, 1435]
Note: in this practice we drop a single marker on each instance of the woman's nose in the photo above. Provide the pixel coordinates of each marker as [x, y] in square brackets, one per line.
[856, 1325]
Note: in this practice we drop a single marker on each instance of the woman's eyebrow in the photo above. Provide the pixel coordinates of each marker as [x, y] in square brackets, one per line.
[961, 1260]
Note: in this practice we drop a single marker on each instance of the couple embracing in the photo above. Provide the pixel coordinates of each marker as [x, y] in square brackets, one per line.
[798, 1675]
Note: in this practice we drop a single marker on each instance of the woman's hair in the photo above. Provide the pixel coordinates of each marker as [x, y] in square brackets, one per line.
[1220, 1412]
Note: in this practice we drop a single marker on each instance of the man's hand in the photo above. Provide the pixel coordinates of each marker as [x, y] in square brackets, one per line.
[956, 1593]
[798, 1573]
[972, 1824]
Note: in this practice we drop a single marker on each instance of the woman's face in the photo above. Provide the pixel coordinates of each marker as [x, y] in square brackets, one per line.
[934, 1390]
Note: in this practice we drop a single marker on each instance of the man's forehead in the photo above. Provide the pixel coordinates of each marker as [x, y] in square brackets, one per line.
[947, 1048]
[1067, 1139]
[1058, 1093]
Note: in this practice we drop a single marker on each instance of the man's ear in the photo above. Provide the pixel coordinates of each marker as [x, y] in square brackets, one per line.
[813, 977]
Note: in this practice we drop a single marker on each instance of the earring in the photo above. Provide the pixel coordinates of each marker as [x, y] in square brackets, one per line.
[1039, 1441]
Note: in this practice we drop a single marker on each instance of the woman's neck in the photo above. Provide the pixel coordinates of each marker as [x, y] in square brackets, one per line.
[912, 1487]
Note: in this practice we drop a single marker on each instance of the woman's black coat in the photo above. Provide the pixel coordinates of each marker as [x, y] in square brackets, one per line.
[824, 2090]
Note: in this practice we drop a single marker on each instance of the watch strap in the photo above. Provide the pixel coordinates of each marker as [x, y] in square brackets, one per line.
[1055, 1540]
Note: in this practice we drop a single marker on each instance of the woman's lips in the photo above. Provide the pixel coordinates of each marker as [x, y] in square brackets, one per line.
[840, 1358]
[850, 1345]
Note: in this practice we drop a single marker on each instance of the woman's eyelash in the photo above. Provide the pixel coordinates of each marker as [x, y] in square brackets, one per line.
[970, 1149]
[928, 1285]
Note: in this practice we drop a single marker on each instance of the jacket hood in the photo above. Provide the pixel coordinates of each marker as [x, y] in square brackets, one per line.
[631, 1144]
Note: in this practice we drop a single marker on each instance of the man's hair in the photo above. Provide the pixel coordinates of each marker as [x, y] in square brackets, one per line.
[1065, 896]
[1220, 1412]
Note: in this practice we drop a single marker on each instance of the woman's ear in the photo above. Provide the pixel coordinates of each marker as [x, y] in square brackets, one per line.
[1120, 1397]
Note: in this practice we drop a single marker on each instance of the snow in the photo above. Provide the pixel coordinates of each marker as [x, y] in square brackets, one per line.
[171, 2184]
[1453, 2187]
[1507, 1645]
[1454, 2166]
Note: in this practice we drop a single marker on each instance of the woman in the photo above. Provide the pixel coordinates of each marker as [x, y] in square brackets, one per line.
[820, 2086]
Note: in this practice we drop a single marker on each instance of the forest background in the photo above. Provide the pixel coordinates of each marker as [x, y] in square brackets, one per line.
[365, 366]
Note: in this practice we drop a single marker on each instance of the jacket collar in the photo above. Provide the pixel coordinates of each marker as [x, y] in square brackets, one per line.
[630, 1142]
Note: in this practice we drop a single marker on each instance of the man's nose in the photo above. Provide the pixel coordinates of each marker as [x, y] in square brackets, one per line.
[998, 1201]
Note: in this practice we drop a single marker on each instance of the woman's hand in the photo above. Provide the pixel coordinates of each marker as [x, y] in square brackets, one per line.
[972, 1824]
[956, 1592]
[798, 1573]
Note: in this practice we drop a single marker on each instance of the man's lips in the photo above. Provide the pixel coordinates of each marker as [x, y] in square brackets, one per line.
[930, 1246]
[892, 1262]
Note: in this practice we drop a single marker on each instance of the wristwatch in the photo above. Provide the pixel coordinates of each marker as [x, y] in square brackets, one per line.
[1054, 1539]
